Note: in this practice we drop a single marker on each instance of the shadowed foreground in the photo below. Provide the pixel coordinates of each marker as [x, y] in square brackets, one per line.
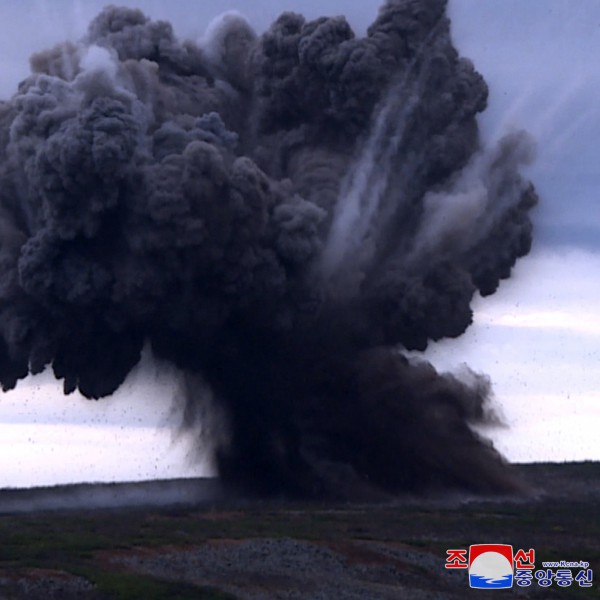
[222, 549]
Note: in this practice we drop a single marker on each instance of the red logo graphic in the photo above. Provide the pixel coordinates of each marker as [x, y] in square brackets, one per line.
[502, 549]
[491, 566]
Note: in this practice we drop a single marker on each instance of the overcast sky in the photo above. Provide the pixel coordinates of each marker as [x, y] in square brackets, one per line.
[538, 338]
[539, 57]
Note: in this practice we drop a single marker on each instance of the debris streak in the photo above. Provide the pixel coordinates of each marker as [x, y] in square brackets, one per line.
[281, 215]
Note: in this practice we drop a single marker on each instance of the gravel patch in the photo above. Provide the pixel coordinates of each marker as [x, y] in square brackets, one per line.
[283, 569]
[43, 584]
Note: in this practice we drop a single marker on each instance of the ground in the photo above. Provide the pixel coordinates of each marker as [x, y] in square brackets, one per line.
[223, 548]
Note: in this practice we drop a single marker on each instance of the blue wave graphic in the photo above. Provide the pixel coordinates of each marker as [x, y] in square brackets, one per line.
[486, 583]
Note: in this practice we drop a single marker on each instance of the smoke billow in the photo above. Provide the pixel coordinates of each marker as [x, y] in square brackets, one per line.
[280, 215]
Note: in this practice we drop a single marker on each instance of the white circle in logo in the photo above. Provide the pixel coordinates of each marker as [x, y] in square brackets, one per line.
[491, 566]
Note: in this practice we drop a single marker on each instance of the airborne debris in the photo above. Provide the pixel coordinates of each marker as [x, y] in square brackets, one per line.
[280, 214]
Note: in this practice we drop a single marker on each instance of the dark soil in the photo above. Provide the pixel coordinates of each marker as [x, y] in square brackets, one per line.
[219, 548]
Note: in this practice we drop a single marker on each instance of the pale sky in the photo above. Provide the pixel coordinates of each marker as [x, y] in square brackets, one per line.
[538, 338]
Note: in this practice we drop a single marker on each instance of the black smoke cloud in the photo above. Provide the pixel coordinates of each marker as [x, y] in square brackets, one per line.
[281, 215]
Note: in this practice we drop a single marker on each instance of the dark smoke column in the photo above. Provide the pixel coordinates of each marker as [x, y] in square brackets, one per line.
[280, 215]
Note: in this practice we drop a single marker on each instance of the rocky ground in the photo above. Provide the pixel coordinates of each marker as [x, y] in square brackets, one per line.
[218, 548]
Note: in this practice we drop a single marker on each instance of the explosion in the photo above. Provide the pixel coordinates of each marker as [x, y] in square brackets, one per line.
[281, 215]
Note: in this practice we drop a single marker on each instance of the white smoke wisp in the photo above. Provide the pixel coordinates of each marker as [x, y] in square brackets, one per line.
[460, 216]
[450, 218]
[364, 186]
[360, 208]
[227, 47]
[215, 38]
[98, 59]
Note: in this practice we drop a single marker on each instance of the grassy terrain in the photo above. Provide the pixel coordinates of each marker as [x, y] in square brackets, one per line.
[77, 553]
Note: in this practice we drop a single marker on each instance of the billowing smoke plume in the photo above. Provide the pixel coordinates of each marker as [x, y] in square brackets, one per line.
[281, 215]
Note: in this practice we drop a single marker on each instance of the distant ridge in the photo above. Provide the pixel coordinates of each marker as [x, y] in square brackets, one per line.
[560, 481]
[111, 495]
